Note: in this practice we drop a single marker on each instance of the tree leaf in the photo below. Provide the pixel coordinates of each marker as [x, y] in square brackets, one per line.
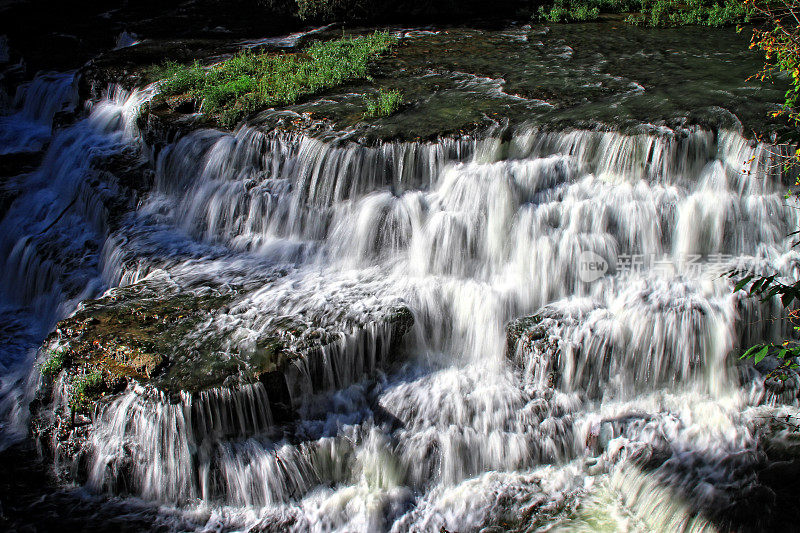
[750, 351]
[742, 282]
[786, 299]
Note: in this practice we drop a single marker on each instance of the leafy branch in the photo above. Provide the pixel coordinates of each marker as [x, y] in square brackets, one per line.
[766, 288]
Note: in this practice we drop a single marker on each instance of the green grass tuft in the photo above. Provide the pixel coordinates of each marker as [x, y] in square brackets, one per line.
[384, 104]
[248, 81]
[53, 364]
[84, 388]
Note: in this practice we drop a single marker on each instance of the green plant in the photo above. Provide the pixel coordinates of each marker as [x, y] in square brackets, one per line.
[564, 11]
[53, 364]
[328, 10]
[384, 104]
[176, 78]
[656, 13]
[84, 387]
[765, 288]
[660, 13]
[779, 39]
[584, 10]
[250, 81]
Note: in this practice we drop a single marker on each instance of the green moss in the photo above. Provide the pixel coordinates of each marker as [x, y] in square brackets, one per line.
[154, 335]
[384, 104]
[250, 81]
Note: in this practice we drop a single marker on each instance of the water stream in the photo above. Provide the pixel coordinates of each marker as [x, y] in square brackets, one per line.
[639, 420]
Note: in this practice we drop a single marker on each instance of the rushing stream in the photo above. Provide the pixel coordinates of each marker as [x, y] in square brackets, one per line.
[633, 415]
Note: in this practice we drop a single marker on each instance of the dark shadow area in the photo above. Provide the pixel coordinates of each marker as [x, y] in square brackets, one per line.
[32, 501]
[753, 490]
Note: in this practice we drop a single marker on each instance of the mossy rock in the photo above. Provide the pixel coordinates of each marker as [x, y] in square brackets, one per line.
[166, 338]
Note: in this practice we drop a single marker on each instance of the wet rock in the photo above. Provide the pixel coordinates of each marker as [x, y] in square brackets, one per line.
[162, 126]
[781, 384]
[13, 167]
[63, 119]
[527, 333]
[532, 346]
[601, 350]
[129, 170]
[781, 475]
[176, 340]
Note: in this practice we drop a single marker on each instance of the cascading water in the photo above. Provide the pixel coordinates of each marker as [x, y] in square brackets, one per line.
[474, 426]
[51, 229]
[35, 105]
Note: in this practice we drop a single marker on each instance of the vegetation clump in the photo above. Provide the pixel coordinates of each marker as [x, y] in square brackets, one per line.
[250, 81]
[654, 13]
[386, 103]
[53, 365]
[85, 387]
[332, 9]
[584, 10]
[661, 13]
[779, 39]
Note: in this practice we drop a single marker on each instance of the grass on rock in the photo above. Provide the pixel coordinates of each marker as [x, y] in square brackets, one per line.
[249, 81]
[84, 387]
[384, 104]
[53, 364]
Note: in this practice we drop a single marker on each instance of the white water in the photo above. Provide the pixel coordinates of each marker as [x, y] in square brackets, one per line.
[458, 436]
[47, 234]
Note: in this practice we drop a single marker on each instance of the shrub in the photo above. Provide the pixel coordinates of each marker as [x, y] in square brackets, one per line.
[584, 10]
[660, 13]
[83, 389]
[779, 39]
[656, 13]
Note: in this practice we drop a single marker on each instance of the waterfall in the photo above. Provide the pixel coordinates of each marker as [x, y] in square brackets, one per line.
[621, 379]
[35, 105]
[50, 233]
